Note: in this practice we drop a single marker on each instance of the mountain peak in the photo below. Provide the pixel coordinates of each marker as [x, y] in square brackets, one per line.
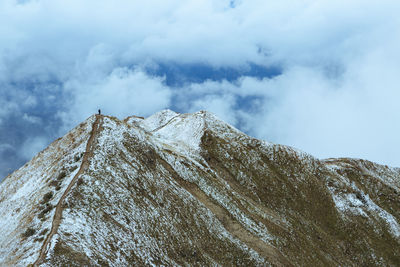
[189, 189]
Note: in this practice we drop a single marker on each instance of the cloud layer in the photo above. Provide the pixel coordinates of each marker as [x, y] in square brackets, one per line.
[321, 76]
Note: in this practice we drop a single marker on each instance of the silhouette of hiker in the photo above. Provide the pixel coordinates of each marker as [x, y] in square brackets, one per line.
[99, 111]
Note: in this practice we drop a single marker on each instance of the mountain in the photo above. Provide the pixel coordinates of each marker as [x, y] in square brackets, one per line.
[188, 189]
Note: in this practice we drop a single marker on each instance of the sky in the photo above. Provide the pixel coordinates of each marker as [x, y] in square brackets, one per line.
[321, 76]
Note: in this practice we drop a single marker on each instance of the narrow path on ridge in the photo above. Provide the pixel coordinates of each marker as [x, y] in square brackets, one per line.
[60, 207]
[165, 124]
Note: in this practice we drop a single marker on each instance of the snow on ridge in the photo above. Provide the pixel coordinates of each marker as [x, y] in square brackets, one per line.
[360, 203]
[23, 191]
[385, 174]
[133, 120]
[183, 132]
[351, 203]
[158, 119]
[187, 129]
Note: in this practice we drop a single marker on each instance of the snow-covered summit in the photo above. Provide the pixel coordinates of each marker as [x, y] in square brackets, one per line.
[183, 132]
[158, 119]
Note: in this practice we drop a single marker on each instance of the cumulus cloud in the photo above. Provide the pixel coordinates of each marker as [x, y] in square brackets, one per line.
[354, 116]
[31, 119]
[33, 145]
[122, 93]
[335, 96]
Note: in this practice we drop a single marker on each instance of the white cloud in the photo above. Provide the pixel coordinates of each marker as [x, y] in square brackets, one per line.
[4, 147]
[303, 31]
[355, 116]
[122, 93]
[32, 146]
[223, 105]
[31, 119]
[337, 95]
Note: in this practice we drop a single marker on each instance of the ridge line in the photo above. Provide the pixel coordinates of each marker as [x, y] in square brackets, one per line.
[60, 205]
[162, 126]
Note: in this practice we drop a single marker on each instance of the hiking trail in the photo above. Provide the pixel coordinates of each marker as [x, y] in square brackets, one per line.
[60, 205]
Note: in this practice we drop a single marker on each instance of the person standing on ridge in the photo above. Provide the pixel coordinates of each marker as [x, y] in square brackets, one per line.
[99, 112]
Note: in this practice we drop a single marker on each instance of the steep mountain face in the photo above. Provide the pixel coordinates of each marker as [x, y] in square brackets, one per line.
[188, 189]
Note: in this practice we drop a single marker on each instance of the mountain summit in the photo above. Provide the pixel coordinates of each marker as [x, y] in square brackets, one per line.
[188, 189]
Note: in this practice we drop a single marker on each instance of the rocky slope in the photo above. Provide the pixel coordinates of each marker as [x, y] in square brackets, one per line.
[188, 189]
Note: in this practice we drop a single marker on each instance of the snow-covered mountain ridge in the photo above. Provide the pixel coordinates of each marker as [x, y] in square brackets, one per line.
[188, 189]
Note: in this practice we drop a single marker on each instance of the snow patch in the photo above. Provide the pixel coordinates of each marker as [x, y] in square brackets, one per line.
[360, 203]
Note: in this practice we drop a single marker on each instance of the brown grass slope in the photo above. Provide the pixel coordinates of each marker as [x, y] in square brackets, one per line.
[152, 205]
[237, 201]
[298, 188]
